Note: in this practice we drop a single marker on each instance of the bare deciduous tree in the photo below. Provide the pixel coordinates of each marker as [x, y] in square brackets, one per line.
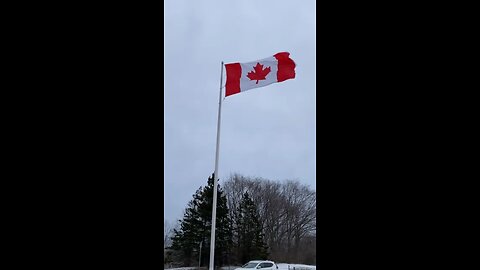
[167, 233]
[287, 212]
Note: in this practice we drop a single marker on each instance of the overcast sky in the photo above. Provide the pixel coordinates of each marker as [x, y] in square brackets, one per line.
[266, 132]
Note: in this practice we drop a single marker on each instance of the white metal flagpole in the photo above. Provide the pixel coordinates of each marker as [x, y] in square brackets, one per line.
[215, 178]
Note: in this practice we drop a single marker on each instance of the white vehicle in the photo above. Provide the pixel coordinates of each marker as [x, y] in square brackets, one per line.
[263, 265]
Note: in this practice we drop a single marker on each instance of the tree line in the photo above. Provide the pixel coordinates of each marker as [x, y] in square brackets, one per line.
[256, 219]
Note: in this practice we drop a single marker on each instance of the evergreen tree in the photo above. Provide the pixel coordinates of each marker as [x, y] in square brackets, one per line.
[251, 244]
[196, 225]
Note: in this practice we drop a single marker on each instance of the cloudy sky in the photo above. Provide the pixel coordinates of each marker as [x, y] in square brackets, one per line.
[266, 132]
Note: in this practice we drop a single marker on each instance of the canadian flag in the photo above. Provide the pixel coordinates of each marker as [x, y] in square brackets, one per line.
[244, 76]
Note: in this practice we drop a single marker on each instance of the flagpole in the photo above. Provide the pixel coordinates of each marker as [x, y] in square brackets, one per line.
[215, 178]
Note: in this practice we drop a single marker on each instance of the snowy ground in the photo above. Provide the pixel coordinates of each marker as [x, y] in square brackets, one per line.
[281, 266]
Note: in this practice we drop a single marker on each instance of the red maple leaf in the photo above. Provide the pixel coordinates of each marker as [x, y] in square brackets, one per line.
[259, 73]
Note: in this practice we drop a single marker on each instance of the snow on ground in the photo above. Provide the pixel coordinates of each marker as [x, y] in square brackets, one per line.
[281, 266]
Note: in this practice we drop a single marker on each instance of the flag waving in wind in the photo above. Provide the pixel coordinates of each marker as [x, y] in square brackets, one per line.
[244, 76]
